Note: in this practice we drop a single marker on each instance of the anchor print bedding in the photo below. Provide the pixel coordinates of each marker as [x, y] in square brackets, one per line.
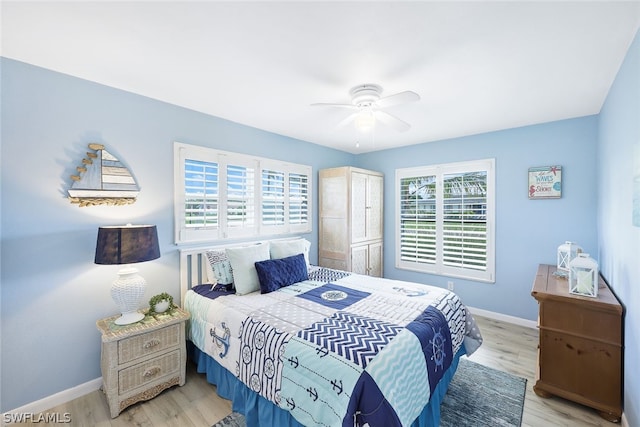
[339, 348]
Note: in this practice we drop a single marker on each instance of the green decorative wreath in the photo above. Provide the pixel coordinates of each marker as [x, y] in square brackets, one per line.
[159, 298]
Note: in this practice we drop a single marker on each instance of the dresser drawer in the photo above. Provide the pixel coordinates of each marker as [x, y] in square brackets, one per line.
[574, 319]
[144, 344]
[146, 372]
[587, 368]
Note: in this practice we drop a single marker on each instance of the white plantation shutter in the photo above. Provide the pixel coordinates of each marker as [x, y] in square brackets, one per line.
[273, 197]
[240, 200]
[285, 198]
[445, 219]
[197, 198]
[222, 195]
[201, 194]
[464, 240]
[418, 219]
[299, 201]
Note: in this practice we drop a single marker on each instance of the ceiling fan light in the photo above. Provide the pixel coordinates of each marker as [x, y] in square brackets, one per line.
[365, 122]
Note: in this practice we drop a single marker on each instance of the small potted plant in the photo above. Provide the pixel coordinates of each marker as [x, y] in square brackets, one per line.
[161, 303]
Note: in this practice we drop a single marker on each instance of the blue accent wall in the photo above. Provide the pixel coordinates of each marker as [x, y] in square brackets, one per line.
[52, 293]
[528, 232]
[618, 166]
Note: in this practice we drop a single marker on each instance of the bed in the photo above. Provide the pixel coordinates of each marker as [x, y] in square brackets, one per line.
[294, 344]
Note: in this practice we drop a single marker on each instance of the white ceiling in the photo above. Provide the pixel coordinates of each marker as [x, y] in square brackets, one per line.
[478, 66]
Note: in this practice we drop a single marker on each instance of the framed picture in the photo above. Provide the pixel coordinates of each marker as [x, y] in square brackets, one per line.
[545, 182]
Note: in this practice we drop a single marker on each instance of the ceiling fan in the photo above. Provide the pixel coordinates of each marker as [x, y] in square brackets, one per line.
[368, 107]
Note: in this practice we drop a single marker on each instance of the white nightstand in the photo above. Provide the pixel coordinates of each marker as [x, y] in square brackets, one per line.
[142, 359]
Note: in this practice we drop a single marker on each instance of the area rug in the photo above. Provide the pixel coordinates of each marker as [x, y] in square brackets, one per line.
[482, 396]
[478, 396]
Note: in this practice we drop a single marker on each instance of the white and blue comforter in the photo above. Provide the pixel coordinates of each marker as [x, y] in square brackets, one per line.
[340, 348]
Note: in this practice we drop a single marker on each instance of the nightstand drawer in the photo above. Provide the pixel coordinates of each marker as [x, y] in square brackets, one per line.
[151, 370]
[141, 345]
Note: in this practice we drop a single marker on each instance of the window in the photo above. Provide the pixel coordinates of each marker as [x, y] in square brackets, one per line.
[299, 198]
[445, 219]
[273, 197]
[221, 195]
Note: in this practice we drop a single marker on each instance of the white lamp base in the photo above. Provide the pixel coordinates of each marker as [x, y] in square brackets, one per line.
[127, 291]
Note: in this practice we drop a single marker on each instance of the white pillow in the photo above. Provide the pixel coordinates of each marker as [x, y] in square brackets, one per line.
[243, 259]
[219, 268]
[285, 248]
[210, 278]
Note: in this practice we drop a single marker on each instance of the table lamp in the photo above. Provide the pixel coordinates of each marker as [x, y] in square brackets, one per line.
[127, 244]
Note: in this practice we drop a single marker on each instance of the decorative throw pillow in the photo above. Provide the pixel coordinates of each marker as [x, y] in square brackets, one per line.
[243, 259]
[219, 268]
[277, 273]
[285, 248]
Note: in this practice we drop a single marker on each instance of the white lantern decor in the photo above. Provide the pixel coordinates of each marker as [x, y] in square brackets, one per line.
[583, 276]
[566, 252]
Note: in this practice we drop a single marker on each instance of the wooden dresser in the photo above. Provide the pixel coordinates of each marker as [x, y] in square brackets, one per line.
[581, 344]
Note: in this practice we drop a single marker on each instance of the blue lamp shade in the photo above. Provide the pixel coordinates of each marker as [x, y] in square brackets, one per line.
[127, 245]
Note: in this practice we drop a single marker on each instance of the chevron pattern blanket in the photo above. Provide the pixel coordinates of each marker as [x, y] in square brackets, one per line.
[339, 348]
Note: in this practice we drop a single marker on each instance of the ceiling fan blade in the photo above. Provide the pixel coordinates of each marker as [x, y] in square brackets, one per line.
[392, 121]
[322, 104]
[350, 118]
[397, 99]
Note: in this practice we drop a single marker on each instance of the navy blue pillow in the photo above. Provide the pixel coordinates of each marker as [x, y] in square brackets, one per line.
[277, 273]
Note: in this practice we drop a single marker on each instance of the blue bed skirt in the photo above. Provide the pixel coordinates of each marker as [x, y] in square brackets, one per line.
[258, 411]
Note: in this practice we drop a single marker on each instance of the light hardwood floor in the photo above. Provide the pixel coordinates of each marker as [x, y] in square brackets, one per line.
[506, 347]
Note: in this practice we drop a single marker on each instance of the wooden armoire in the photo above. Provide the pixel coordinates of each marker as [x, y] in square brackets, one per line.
[351, 220]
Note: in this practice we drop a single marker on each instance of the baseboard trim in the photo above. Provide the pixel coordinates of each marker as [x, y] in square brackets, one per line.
[504, 317]
[56, 399]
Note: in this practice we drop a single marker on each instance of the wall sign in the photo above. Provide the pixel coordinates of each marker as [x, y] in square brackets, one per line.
[545, 182]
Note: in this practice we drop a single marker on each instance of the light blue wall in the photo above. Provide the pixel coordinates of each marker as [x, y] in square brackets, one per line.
[528, 232]
[52, 293]
[618, 165]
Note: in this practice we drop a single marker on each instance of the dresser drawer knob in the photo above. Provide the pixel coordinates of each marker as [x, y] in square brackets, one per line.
[151, 372]
[151, 343]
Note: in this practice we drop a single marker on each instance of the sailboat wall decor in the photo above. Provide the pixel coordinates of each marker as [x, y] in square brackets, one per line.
[102, 180]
